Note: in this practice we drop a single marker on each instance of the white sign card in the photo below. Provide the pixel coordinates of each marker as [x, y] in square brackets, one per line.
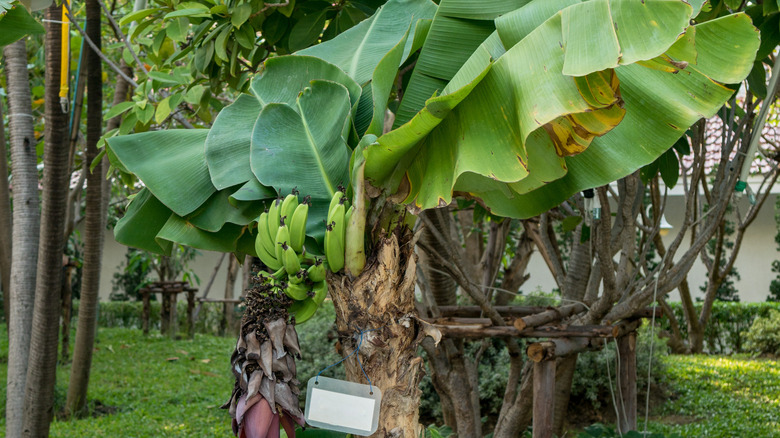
[342, 406]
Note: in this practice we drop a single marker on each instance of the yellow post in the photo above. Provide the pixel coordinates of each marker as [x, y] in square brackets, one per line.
[64, 57]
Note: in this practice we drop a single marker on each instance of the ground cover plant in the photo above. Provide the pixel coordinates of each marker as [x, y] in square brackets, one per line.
[718, 396]
[148, 387]
[144, 392]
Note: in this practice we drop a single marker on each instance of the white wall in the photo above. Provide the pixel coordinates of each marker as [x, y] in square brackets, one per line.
[753, 263]
[203, 266]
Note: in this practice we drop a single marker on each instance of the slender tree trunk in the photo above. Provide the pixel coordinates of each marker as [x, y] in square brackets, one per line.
[66, 295]
[41, 370]
[381, 299]
[228, 308]
[25, 237]
[93, 231]
[5, 224]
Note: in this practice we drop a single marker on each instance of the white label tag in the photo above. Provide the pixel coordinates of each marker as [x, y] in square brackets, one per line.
[342, 406]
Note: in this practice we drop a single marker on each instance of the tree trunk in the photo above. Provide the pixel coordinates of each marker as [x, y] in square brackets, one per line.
[26, 219]
[228, 308]
[66, 297]
[93, 229]
[5, 224]
[381, 300]
[41, 370]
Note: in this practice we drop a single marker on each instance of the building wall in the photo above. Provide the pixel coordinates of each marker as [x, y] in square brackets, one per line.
[203, 266]
[754, 262]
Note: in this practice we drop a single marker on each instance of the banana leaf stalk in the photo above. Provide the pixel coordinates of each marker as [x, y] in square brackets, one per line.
[265, 394]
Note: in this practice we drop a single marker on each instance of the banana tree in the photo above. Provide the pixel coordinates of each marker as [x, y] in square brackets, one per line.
[516, 104]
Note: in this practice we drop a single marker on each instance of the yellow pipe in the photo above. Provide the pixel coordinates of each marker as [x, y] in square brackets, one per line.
[64, 58]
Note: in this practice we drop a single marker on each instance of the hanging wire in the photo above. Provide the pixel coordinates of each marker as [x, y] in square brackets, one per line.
[611, 389]
[652, 344]
[360, 342]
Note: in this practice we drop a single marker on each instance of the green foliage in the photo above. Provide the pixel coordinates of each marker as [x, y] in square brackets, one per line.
[148, 387]
[721, 397]
[127, 314]
[764, 335]
[130, 276]
[601, 431]
[434, 431]
[221, 44]
[595, 375]
[724, 332]
[16, 22]
[774, 286]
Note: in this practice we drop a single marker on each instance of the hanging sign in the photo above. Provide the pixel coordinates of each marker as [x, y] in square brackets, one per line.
[342, 406]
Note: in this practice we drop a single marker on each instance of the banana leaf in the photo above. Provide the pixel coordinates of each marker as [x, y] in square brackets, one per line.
[171, 163]
[227, 143]
[301, 147]
[487, 144]
[458, 28]
[360, 49]
[144, 218]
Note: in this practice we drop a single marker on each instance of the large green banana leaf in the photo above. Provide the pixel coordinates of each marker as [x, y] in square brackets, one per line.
[171, 163]
[227, 144]
[144, 218]
[302, 146]
[360, 49]
[148, 224]
[458, 28]
[521, 126]
[372, 51]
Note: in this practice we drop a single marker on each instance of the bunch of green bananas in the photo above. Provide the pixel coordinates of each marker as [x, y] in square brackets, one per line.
[335, 236]
[281, 232]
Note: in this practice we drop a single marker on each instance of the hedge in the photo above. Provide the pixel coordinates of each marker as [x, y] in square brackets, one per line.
[127, 314]
[724, 332]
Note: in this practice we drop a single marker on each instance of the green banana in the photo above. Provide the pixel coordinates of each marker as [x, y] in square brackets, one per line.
[288, 207]
[320, 292]
[262, 232]
[298, 292]
[334, 241]
[297, 277]
[290, 259]
[282, 237]
[316, 272]
[266, 257]
[273, 218]
[335, 200]
[302, 310]
[298, 226]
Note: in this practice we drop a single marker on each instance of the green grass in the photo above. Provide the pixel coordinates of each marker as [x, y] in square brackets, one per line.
[721, 397]
[155, 397]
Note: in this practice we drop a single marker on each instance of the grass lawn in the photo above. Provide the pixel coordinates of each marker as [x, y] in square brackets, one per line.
[719, 396]
[154, 394]
[155, 387]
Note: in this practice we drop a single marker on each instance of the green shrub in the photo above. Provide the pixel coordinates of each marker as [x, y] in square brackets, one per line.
[601, 431]
[725, 332]
[127, 314]
[764, 335]
[591, 383]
